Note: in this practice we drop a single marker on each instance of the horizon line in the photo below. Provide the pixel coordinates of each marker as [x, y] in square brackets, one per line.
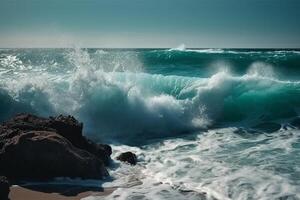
[245, 48]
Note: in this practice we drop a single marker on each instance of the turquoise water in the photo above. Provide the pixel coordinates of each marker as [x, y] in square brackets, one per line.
[205, 123]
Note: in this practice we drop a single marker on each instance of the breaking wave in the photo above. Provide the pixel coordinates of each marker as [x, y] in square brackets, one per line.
[117, 98]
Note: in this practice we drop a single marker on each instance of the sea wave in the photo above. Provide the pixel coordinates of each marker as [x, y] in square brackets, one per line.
[125, 103]
[183, 48]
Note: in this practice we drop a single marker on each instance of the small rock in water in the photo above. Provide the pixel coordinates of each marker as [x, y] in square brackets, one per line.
[4, 188]
[128, 157]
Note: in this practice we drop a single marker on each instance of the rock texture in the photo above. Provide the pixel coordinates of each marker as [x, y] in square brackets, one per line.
[32, 147]
[128, 157]
[4, 188]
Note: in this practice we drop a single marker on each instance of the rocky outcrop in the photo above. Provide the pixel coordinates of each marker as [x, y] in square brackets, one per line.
[66, 126]
[70, 128]
[32, 147]
[128, 157]
[44, 154]
[4, 188]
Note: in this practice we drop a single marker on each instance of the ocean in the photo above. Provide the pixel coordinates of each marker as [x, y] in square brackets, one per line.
[204, 123]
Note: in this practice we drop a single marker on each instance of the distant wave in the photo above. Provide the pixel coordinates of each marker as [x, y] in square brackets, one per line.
[183, 48]
[179, 48]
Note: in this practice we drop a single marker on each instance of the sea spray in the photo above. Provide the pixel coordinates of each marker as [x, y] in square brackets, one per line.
[143, 104]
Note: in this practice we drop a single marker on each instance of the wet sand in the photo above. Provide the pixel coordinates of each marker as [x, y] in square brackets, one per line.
[55, 192]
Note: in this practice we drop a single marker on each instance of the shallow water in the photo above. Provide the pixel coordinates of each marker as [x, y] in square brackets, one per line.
[216, 164]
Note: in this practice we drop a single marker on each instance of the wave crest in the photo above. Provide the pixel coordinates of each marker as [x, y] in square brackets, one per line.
[120, 103]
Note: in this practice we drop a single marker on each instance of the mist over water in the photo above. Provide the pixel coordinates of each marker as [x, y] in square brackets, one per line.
[205, 123]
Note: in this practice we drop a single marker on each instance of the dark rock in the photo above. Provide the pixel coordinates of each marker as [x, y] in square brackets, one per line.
[27, 122]
[128, 157]
[66, 126]
[102, 151]
[36, 147]
[44, 154]
[70, 128]
[4, 188]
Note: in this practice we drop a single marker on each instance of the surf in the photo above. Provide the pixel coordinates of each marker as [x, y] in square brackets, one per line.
[145, 105]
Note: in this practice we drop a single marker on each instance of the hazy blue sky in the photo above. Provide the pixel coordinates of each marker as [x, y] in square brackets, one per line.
[150, 23]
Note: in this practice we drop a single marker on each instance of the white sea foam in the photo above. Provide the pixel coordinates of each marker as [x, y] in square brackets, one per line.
[218, 164]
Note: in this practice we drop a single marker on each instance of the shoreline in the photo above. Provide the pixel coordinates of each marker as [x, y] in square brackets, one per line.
[53, 192]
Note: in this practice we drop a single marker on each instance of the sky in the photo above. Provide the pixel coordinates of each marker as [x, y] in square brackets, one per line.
[150, 23]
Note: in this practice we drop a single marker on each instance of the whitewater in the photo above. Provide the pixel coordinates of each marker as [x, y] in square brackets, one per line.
[204, 123]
